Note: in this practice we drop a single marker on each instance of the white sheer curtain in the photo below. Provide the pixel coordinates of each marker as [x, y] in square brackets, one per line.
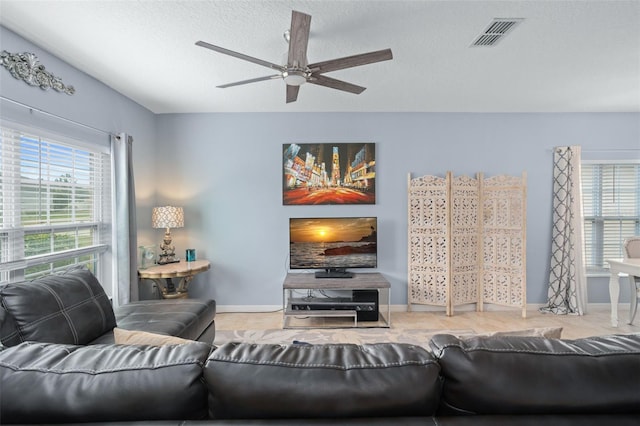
[567, 277]
[125, 271]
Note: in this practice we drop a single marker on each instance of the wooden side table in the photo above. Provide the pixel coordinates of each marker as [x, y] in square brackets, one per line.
[163, 276]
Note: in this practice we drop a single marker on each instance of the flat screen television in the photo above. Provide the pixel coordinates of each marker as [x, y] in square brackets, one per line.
[332, 245]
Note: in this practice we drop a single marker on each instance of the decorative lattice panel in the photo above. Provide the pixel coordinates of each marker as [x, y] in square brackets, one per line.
[467, 241]
[504, 241]
[428, 242]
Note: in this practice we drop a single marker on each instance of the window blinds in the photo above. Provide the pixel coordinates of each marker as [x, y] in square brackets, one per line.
[54, 204]
[611, 204]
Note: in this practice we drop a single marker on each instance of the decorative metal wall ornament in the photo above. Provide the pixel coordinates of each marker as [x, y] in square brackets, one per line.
[25, 66]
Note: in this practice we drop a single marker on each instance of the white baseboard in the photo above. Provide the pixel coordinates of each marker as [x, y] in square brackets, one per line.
[248, 308]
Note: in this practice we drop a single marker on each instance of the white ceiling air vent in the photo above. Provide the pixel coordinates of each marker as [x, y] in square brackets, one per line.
[496, 31]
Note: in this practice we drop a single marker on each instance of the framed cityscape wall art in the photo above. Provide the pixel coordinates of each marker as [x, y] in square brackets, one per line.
[329, 173]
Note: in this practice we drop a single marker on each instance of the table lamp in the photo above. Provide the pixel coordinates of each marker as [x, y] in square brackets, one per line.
[167, 217]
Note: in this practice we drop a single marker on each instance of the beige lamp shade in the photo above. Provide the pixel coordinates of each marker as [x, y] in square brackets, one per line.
[167, 217]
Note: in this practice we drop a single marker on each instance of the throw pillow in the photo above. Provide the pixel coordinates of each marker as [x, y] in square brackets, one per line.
[70, 307]
[134, 337]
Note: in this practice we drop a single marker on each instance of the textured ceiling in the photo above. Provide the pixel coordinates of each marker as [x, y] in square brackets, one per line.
[565, 56]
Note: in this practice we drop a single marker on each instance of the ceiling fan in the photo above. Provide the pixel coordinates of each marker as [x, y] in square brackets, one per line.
[297, 71]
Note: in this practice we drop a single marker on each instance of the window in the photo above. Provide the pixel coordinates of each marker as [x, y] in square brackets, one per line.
[611, 198]
[54, 205]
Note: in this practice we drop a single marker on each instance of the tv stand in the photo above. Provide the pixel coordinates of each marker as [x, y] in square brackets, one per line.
[334, 273]
[310, 302]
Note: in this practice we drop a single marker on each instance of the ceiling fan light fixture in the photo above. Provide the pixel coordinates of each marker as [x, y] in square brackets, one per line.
[294, 78]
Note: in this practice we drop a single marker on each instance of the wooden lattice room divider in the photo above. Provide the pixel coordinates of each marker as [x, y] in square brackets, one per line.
[467, 241]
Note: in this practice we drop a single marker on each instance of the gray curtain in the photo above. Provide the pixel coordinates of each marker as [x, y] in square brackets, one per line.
[125, 261]
[567, 293]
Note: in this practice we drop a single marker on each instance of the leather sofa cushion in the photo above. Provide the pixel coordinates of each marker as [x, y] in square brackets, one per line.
[185, 318]
[70, 307]
[53, 383]
[525, 375]
[264, 381]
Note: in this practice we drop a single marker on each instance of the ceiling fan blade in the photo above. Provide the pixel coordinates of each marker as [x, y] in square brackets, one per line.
[322, 80]
[240, 56]
[351, 61]
[292, 93]
[253, 80]
[298, 39]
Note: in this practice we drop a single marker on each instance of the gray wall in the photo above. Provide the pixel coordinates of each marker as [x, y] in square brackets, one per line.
[226, 170]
